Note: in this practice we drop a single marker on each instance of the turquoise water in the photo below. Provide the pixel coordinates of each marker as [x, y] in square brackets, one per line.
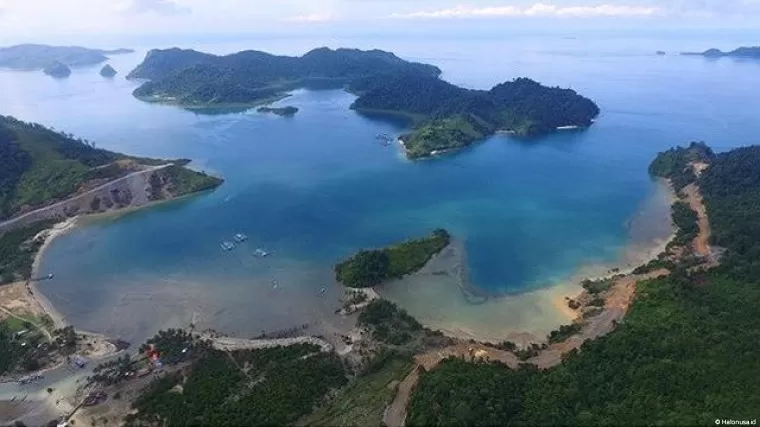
[317, 187]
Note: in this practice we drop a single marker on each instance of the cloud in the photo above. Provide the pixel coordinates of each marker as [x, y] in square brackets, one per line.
[312, 17]
[538, 9]
[161, 7]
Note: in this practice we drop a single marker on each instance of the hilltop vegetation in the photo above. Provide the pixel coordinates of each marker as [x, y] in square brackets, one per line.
[674, 164]
[188, 77]
[684, 355]
[37, 56]
[445, 116]
[451, 117]
[41, 166]
[274, 386]
[373, 267]
[17, 251]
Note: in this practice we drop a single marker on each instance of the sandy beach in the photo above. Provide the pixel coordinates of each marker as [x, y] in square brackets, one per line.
[49, 236]
[439, 295]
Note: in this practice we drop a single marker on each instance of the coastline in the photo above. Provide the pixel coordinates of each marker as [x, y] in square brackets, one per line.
[443, 287]
[58, 230]
[159, 100]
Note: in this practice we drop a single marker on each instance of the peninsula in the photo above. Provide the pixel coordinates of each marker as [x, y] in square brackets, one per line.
[48, 176]
[752, 52]
[444, 116]
[38, 56]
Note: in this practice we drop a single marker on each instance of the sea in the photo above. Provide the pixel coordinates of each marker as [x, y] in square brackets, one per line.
[315, 188]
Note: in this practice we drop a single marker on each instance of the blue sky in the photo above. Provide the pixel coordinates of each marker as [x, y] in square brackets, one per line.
[46, 19]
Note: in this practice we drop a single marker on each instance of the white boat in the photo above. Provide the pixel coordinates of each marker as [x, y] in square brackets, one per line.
[260, 253]
[240, 237]
[227, 246]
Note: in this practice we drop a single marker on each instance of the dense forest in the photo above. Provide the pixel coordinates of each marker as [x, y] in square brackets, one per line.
[17, 251]
[373, 267]
[274, 386]
[389, 323]
[446, 116]
[684, 355]
[41, 165]
[450, 117]
[191, 78]
[674, 163]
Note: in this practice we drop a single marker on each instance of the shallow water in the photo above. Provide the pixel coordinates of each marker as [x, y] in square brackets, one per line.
[315, 188]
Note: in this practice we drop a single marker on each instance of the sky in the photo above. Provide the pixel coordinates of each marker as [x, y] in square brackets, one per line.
[50, 20]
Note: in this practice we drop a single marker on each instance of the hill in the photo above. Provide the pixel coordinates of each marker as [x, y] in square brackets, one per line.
[38, 56]
[450, 117]
[445, 116]
[189, 77]
[108, 71]
[742, 52]
[42, 166]
[56, 69]
[684, 354]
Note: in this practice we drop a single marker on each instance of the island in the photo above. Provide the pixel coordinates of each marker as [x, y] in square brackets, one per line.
[288, 111]
[249, 78]
[447, 117]
[48, 176]
[57, 69]
[369, 268]
[444, 116]
[38, 56]
[108, 71]
[661, 53]
[752, 52]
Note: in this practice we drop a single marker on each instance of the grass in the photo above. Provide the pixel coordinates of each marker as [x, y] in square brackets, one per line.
[363, 402]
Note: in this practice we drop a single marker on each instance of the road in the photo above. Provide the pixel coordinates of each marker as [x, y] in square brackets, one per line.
[42, 213]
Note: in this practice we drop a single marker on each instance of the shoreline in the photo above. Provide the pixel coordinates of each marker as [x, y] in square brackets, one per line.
[521, 317]
[48, 308]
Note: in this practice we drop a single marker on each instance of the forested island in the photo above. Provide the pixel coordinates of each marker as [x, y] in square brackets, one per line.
[449, 117]
[288, 111]
[741, 52]
[444, 116]
[188, 77]
[57, 69]
[41, 167]
[684, 355]
[370, 268]
[107, 71]
[38, 56]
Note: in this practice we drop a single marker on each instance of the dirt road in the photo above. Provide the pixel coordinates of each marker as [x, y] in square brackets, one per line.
[702, 241]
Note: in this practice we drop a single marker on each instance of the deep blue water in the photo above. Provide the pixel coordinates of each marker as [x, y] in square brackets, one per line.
[317, 187]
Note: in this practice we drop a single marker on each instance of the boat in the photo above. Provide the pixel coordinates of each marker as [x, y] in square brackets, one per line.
[240, 237]
[260, 253]
[227, 246]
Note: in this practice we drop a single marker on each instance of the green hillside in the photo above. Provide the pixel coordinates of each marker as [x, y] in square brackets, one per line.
[192, 78]
[41, 166]
[686, 354]
[449, 117]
